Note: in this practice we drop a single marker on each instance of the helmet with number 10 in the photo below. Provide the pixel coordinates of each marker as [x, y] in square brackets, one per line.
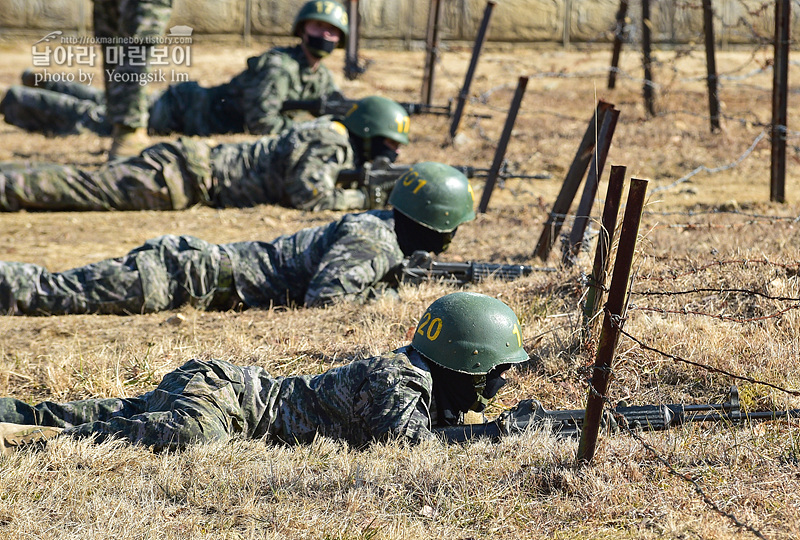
[328, 11]
[469, 333]
[435, 195]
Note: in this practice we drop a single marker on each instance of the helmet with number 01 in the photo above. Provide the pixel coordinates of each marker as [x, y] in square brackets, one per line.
[328, 11]
[435, 195]
[469, 333]
[377, 116]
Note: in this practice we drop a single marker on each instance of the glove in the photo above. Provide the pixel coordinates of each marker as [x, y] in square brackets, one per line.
[528, 412]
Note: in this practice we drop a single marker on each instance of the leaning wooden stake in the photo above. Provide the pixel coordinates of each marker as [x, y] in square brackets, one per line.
[431, 50]
[500, 153]
[597, 279]
[571, 183]
[619, 34]
[476, 53]
[584, 210]
[613, 319]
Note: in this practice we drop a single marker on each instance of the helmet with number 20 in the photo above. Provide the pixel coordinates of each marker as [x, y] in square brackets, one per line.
[469, 333]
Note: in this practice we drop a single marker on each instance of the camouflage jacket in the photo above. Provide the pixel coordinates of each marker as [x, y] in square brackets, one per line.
[253, 98]
[344, 260]
[363, 401]
[297, 169]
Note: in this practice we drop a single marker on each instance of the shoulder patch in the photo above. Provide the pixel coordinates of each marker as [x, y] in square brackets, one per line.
[339, 128]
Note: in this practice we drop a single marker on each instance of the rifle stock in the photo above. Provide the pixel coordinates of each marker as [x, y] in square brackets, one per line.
[530, 414]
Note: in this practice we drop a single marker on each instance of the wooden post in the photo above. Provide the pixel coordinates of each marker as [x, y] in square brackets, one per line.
[248, 14]
[711, 65]
[780, 87]
[431, 50]
[476, 53]
[584, 210]
[597, 279]
[619, 34]
[565, 35]
[571, 183]
[612, 321]
[500, 153]
[648, 90]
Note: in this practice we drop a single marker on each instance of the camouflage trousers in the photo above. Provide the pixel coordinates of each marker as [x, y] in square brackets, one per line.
[166, 176]
[67, 108]
[138, 19]
[41, 110]
[164, 273]
[198, 402]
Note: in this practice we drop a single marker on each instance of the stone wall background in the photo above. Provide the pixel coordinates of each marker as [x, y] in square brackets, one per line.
[402, 23]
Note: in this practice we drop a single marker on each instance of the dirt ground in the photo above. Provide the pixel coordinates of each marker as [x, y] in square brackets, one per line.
[709, 236]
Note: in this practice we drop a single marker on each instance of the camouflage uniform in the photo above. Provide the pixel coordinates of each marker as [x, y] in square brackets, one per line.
[250, 102]
[348, 259]
[140, 19]
[202, 401]
[297, 169]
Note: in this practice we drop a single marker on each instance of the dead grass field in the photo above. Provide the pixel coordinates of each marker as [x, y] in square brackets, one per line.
[714, 237]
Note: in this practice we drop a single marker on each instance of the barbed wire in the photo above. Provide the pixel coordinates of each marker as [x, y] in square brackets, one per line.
[711, 369]
[713, 315]
[672, 470]
[719, 290]
[724, 262]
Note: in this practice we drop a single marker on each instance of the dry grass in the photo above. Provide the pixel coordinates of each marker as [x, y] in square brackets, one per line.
[525, 486]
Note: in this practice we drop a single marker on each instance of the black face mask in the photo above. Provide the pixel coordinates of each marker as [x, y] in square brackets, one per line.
[381, 149]
[457, 393]
[319, 47]
[412, 236]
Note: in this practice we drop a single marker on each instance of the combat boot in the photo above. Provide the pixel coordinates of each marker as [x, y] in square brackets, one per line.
[29, 78]
[15, 436]
[127, 141]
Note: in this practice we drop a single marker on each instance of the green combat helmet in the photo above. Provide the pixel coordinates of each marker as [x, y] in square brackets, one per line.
[327, 11]
[469, 333]
[435, 195]
[377, 116]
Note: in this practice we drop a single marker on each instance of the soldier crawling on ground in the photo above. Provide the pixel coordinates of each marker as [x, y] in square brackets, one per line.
[347, 260]
[462, 345]
[298, 169]
[251, 102]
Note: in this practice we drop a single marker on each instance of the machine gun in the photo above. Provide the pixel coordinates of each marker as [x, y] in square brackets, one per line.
[421, 267]
[529, 413]
[338, 105]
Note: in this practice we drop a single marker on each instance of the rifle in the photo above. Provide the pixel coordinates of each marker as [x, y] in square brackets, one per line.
[504, 173]
[338, 105]
[421, 267]
[381, 171]
[529, 413]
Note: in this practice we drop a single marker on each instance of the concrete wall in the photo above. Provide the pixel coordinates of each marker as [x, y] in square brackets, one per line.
[403, 22]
